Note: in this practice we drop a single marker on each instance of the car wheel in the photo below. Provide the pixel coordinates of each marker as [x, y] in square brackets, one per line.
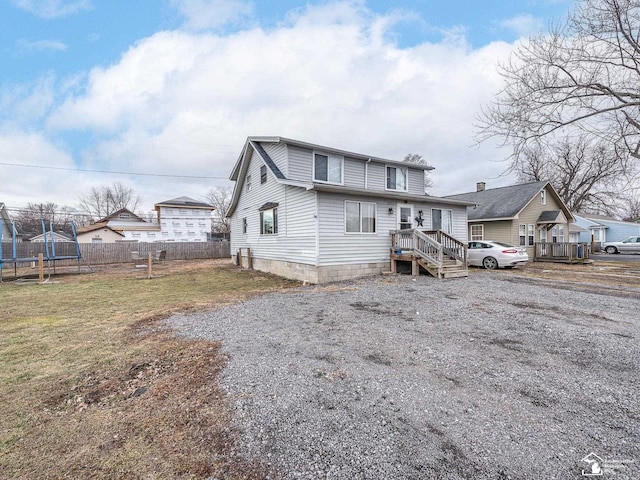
[611, 249]
[489, 263]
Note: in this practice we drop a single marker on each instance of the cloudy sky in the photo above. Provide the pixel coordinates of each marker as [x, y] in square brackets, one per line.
[161, 94]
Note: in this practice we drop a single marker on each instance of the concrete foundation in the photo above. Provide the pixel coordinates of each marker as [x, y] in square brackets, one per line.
[316, 275]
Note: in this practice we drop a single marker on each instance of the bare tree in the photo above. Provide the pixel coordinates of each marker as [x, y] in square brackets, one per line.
[220, 198]
[107, 199]
[587, 175]
[627, 208]
[417, 159]
[30, 218]
[584, 76]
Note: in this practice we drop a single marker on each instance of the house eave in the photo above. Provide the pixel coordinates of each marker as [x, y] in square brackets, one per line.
[386, 195]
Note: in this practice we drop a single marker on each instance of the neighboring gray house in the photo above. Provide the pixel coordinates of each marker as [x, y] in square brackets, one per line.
[600, 228]
[319, 214]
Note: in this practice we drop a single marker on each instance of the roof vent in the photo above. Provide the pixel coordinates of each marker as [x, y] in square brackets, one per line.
[480, 186]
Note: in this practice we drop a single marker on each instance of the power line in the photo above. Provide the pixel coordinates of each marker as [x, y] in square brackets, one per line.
[114, 172]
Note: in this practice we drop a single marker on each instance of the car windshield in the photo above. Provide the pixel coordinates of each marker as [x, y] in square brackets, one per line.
[504, 244]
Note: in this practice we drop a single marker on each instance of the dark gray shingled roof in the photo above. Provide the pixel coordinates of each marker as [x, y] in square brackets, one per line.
[503, 202]
[267, 159]
[548, 216]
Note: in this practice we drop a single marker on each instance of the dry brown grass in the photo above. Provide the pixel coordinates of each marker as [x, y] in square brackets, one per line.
[600, 272]
[93, 386]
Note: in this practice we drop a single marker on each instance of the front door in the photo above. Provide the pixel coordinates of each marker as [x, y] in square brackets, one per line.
[405, 216]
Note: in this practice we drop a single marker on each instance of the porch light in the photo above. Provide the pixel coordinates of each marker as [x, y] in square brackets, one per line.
[390, 210]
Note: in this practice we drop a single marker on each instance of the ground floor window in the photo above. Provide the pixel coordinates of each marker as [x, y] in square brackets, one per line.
[477, 232]
[360, 217]
[269, 221]
[531, 232]
[522, 231]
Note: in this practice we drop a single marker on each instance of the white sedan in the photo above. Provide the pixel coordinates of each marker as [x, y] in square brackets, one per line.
[628, 245]
[492, 255]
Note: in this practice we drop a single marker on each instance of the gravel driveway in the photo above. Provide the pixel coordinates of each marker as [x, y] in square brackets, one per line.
[493, 376]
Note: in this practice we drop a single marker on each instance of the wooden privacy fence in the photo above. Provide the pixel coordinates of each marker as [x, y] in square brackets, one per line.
[103, 253]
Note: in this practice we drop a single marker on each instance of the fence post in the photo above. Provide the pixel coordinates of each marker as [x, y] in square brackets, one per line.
[41, 267]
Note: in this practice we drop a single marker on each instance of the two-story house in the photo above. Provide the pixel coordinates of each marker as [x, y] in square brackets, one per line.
[320, 214]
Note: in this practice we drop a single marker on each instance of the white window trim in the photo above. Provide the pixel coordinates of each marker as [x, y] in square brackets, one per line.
[375, 218]
[473, 239]
[531, 235]
[328, 155]
[247, 183]
[397, 167]
[522, 232]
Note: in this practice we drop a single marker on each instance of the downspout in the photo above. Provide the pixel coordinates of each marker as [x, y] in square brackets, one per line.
[317, 218]
[366, 173]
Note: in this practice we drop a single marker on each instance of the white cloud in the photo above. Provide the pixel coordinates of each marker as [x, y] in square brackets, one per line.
[207, 14]
[183, 103]
[35, 184]
[523, 25]
[40, 45]
[53, 8]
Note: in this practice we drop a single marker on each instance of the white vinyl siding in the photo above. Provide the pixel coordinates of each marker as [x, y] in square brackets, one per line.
[337, 247]
[277, 153]
[296, 211]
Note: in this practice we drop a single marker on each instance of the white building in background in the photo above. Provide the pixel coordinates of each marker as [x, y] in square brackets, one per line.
[181, 219]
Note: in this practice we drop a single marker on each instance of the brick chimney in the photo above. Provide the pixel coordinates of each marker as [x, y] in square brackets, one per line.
[480, 186]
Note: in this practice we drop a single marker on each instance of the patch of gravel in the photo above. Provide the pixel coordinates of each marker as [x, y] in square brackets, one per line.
[394, 377]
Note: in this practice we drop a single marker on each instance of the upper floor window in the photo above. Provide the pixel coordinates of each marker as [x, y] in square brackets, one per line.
[248, 183]
[327, 168]
[124, 216]
[244, 225]
[263, 174]
[397, 178]
[543, 197]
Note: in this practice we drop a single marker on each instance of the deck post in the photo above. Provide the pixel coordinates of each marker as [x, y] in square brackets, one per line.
[239, 256]
[249, 261]
[150, 261]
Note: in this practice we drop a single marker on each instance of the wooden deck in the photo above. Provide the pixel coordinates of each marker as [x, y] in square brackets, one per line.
[439, 254]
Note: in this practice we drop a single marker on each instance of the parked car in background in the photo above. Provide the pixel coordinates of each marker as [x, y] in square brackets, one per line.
[492, 255]
[628, 245]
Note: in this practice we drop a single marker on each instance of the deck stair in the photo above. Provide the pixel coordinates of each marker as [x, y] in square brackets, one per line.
[436, 252]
